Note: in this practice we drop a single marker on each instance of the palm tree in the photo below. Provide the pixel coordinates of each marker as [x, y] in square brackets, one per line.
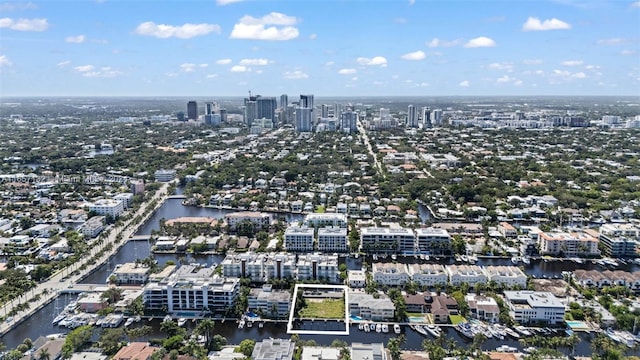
[43, 354]
[205, 328]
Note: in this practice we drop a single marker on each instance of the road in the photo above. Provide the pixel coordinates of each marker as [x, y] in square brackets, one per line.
[365, 137]
[48, 289]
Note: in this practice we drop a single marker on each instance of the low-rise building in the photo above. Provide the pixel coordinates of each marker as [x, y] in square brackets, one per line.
[574, 244]
[392, 274]
[318, 267]
[192, 288]
[506, 275]
[107, 207]
[269, 303]
[619, 240]
[375, 351]
[433, 240]
[483, 308]
[357, 278]
[387, 240]
[370, 308]
[93, 227]
[534, 306]
[442, 307]
[259, 220]
[163, 175]
[428, 274]
[469, 274]
[130, 274]
[332, 240]
[126, 198]
[273, 349]
[507, 230]
[92, 302]
[298, 239]
[320, 220]
[135, 351]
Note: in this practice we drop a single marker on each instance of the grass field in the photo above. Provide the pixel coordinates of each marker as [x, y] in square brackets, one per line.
[323, 309]
[455, 319]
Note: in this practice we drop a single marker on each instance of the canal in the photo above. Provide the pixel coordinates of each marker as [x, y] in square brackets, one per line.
[40, 324]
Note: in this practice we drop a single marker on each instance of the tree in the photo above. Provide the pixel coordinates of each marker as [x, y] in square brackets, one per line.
[43, 354]
[76, 339]
[205, 328]
[394, 347]
[111, 340]
[246, 347]
[218, 342]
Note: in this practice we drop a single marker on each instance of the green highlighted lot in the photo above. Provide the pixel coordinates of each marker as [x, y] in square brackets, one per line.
[455, 319]
[323, 309]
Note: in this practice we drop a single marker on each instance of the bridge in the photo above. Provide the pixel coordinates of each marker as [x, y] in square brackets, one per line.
[177, 197]
[140, 238]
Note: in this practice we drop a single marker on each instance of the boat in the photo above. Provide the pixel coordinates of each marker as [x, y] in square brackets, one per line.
[394, 257]
[59, 318]
[465, 330]
[137, 318]
[515, 259]
[506, 348]
[366, 328]
[250, 323]
[514, 334]
[129, 322]
[379, 328]
[167, 318]
[464, 258]
[182, 322]
[385, 328]
[569, 332]
[241, 324]
[396, 328]
[372, 327]
[421, 329]
[473, 259]
[522, 330]
[360, 326]
[261, 325]
[433, 330]
[526, 260]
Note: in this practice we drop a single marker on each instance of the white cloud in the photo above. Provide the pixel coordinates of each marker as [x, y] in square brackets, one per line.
[329, 63]
[223, 61]
[227, 2]
[256, 28]
[504, 79]
[212, 76]
[611, 41]
[92, 71]
[411, 2]
[572, 63]
[185, 31]
[103, 72]
[63, 63]
[75, 39]
[83, 68]
[435, 42]
[240, 68]
[635, 4]
[203, 65]
[25, 24]
[517, 82]
[539, 72]
[347, 71]
[501, 66]
[579, 75]
[416, 55]
[479, 42]
[378, 60]
[313, 36]
[627, 52]
[534, 24]
[12, 6]
[187, 67]
[294, 75]
[255, 62]
[4, 61]
[355, 78]
[592, 67]
[561, 72]
[464, 83]
[532, 61]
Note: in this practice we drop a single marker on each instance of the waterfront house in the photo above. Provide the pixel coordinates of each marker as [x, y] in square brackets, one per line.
[273, 349]
[370, 308]
[428, 274]
[469, 274]
[135, 351]
[269, 303]
[483, 308]
[392, 274]
[357, 279]
[534, 306]
[442, 307]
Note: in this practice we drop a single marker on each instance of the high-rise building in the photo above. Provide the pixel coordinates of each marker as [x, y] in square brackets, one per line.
[209, 108]
[306, 101]
[324, 111]
[223, 115]
[284, 101]
[192, 110]
[437, 117]
[426, 117]
[348, 121]
[258, 107]
[180, 116]
[303, 119]
[412, 117]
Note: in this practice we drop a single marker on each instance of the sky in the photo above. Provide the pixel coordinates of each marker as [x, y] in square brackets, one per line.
[323, 47]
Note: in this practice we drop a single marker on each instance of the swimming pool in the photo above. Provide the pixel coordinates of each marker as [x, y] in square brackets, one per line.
[356, 318]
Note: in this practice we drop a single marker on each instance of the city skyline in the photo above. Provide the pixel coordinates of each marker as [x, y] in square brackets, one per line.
[333, 48]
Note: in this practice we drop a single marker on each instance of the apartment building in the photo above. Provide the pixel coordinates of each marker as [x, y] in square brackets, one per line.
[320, 220]
[506, 275]
[332, 240]
[370, 308]
[619, 240]
[574, 244]
[298, 239]
[392, 274]
[387, 240]
[269, 302]
[470, 274]
[534, 306]
[428, 274]
[259, 220]
[433, 240]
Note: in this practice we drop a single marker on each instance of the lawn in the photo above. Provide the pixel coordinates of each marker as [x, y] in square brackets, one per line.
[455, 319]
[323, 309]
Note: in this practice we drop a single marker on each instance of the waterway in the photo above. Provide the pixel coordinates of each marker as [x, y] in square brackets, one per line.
[40, 323]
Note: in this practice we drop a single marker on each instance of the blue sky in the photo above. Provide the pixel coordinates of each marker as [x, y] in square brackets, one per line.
[334, 47]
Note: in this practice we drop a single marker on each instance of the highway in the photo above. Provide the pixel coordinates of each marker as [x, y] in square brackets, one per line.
[48, 290]
[365, 137]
